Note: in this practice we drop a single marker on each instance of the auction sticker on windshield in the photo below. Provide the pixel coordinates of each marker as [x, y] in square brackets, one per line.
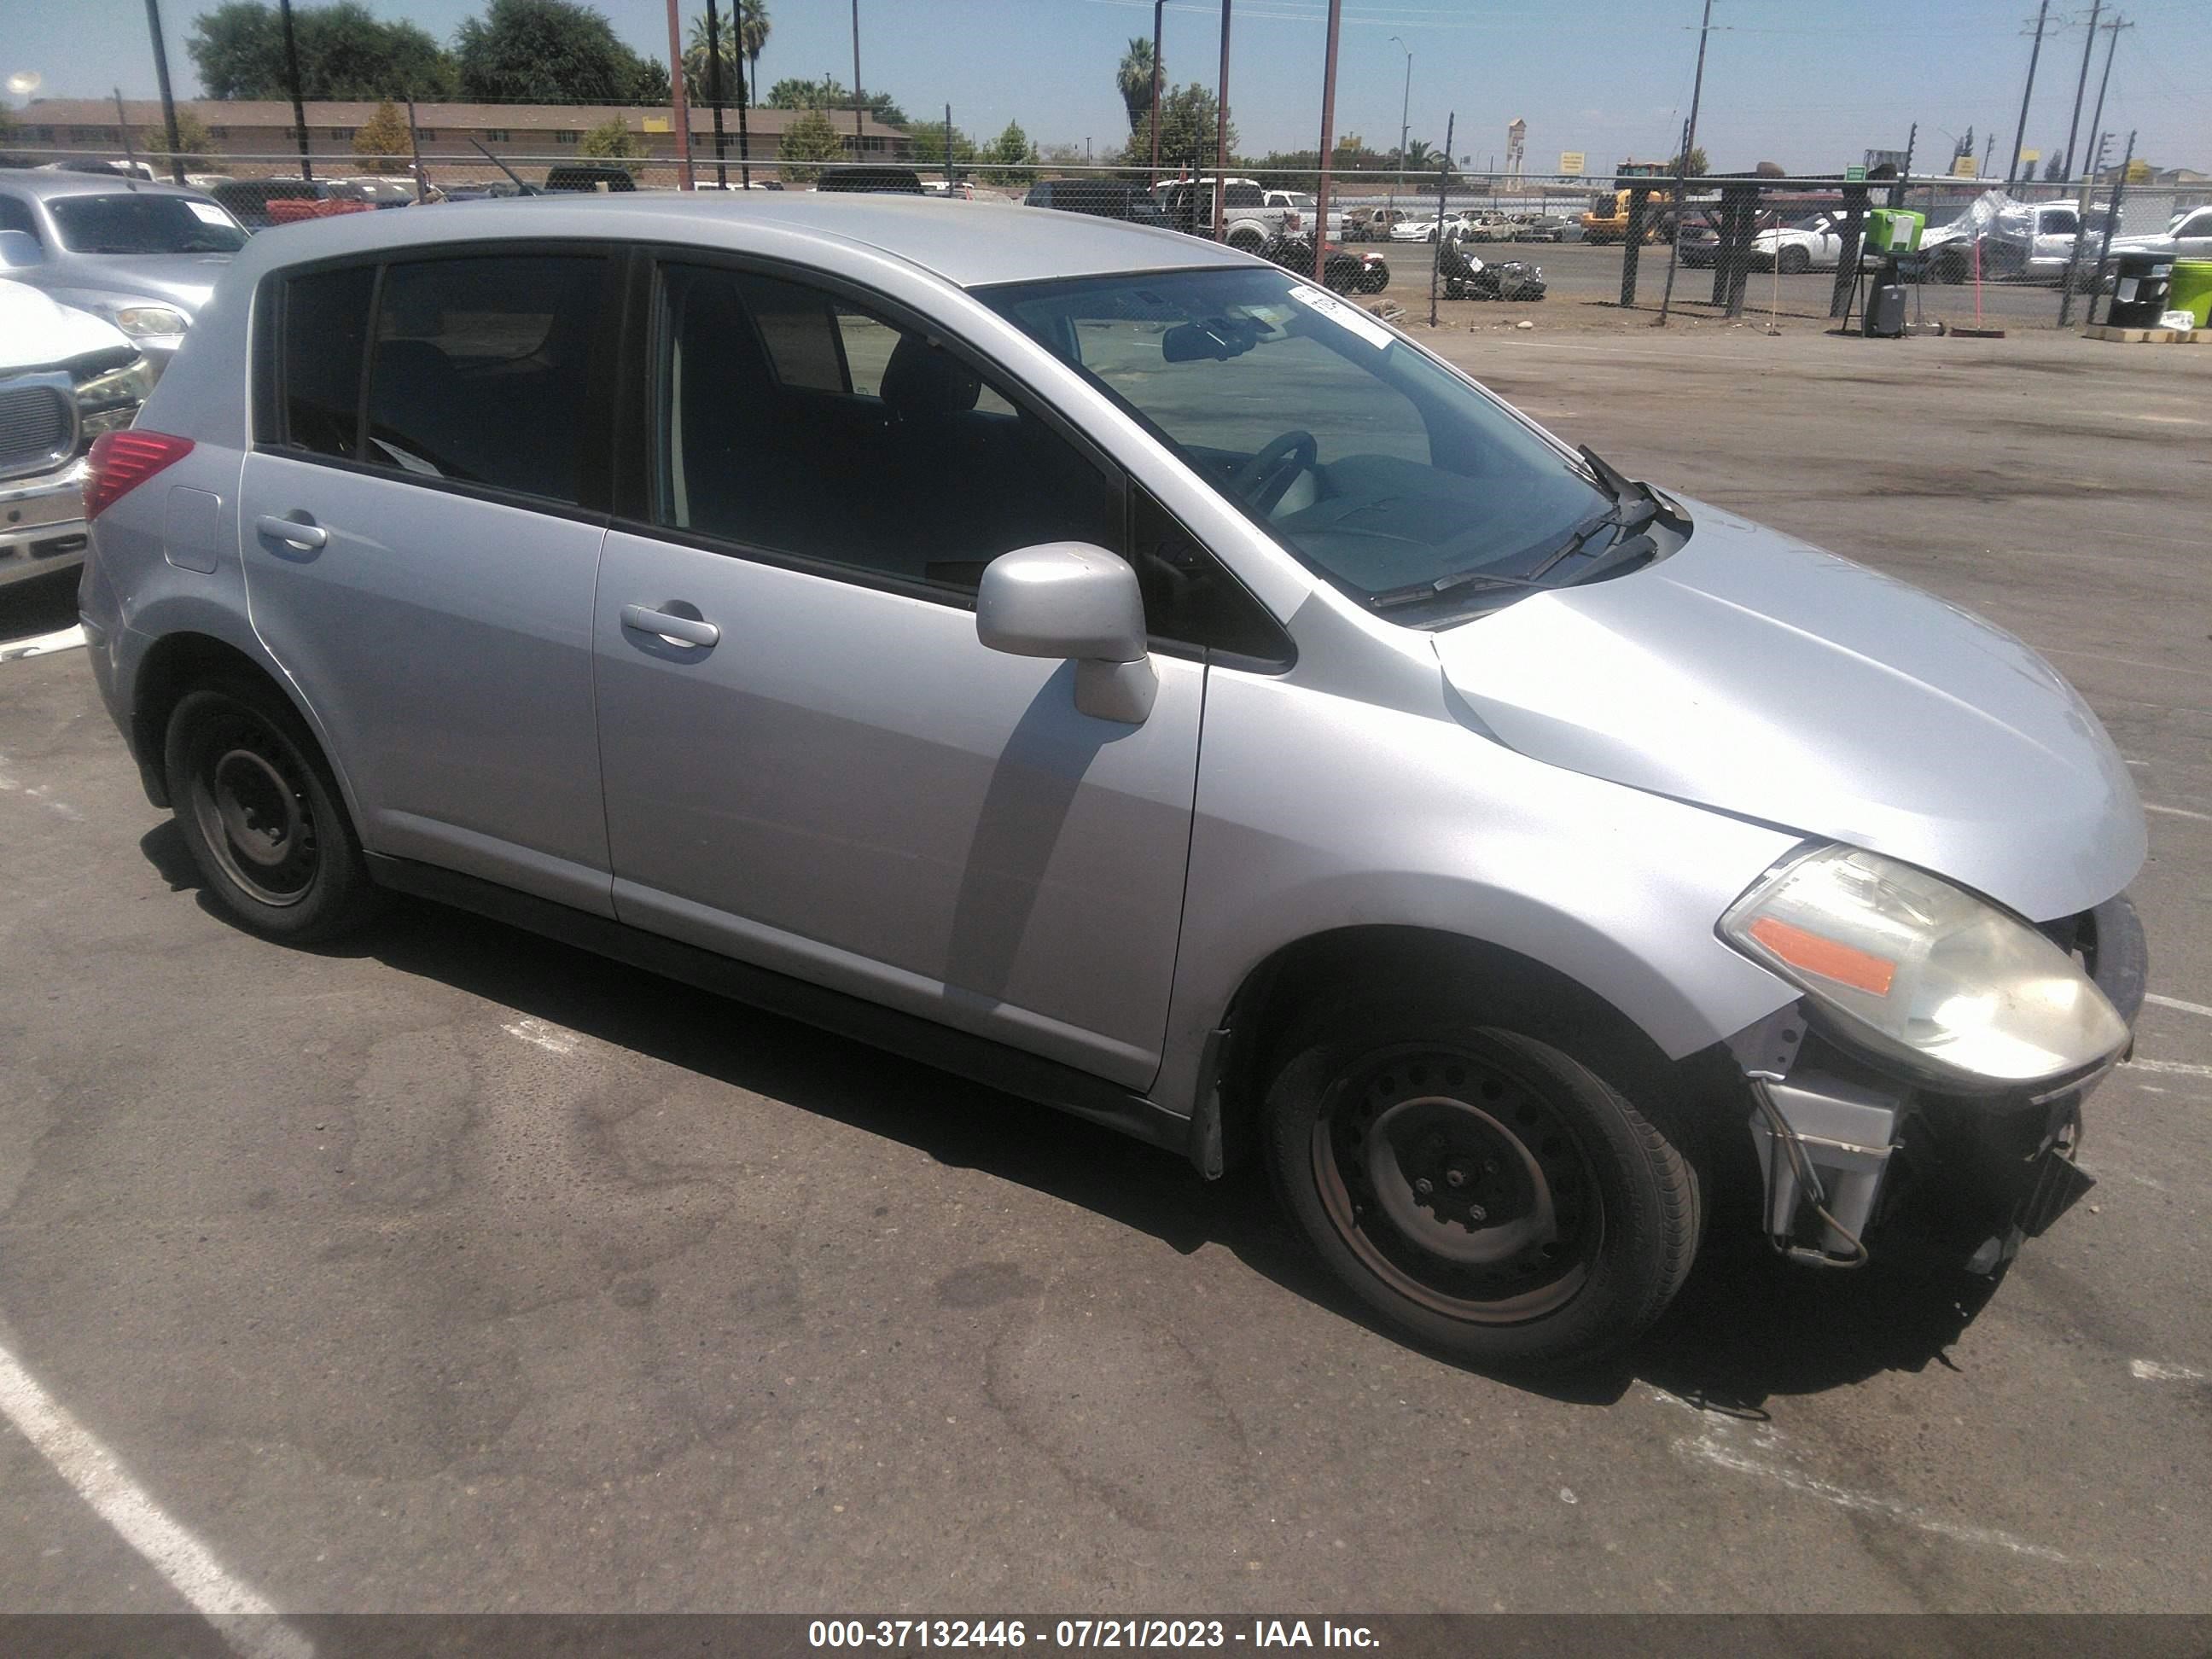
[208, 213]
[1350, 317]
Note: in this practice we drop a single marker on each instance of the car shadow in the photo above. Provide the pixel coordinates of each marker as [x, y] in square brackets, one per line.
[1747, 1326]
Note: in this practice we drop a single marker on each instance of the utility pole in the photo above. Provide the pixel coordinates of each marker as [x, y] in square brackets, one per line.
[744, 103]
[1157, 7]
[2020, 133]
[1405, 124]
[714, 91]
[2081, 85]
[414, 148]
[856, 79]
[2112, 44]
[161, 75]
[291, 78]
[1697, 86]
[682, 110]
[1220, 134]
[1443, 177]
[948, 147]
[1327, 143]
[1682, 160]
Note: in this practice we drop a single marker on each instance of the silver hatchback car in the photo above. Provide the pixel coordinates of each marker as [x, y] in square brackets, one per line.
[1109, 667]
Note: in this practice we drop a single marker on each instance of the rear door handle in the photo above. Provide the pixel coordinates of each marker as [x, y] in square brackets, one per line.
[296, 531]
[689, 629]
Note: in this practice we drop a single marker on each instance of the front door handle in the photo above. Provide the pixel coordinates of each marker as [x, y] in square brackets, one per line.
[298, 533]
[691, 630]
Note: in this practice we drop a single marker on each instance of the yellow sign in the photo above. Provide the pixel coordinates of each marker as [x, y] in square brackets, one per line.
[656, 123]
[1964, 166]
[2028, 156]
[1571, 162]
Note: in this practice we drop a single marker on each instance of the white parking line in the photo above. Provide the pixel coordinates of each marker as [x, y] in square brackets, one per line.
[240, 1617]
[543, 1034]
[2179, 1068]
[2176, 812]
[40, 645]
[2150, 1370]
[2176, 1002]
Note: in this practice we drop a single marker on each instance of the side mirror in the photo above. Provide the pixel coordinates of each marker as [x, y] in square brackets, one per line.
[19, 250]
[1072, 600]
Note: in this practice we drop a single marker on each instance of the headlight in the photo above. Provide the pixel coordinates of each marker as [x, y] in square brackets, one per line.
[107, 403]
[140, 321]
[1924, 971]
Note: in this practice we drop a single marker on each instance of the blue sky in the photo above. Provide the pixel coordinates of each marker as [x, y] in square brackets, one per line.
[1809, 83]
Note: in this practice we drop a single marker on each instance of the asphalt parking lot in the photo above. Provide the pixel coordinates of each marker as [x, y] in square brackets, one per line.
[459, 1271]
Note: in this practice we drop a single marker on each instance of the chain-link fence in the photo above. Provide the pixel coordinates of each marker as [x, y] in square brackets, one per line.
[1805, 250]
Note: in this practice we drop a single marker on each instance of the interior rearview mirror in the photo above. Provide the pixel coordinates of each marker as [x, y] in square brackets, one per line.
[1080, 603]
[1189, 342]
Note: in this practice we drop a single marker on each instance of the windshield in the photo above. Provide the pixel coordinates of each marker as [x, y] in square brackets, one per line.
[1374, 464]
[1298, 198]
[136, 222]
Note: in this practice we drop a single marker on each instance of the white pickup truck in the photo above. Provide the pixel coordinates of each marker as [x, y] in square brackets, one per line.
[66, 376]
[1252, 214]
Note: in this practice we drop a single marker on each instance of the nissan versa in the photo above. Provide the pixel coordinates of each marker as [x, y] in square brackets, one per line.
[1106, 665]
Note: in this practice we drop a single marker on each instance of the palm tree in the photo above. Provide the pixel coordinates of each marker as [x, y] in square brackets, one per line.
[1135, 78]
[696, 57]
[752, 32]
[1420, 155]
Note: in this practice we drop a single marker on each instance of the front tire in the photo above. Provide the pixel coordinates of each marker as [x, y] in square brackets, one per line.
[1793, 261]
[262, 815]
[1483, 1190]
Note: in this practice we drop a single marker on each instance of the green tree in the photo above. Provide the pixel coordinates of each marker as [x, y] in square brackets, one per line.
[697, 60]
[830, 93]
[1696, 169]
[195, 143]
[1186, 117]
[807, 143]
[613, 140]
[2054, 169]
[383, 139]
[1004, 160]
[1134, 79]
[345, 52]
[929, 146]
[552, 51]
[753, 30]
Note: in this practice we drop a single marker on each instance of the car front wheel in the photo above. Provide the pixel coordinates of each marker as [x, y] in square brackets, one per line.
[1483, 1189]
[262, 815]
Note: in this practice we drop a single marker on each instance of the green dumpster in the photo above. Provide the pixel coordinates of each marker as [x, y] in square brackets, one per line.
[2193, 290]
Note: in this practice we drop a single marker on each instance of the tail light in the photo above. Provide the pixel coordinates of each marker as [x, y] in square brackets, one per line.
[121, 461]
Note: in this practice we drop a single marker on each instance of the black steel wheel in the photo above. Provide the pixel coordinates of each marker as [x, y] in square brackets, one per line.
[1483, 1189]
[262, 815]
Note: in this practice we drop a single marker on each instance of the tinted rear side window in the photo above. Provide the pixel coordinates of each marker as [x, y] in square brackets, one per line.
[477, 370]
[326, 327]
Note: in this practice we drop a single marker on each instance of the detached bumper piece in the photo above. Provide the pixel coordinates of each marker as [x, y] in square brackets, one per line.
[1856, 1161]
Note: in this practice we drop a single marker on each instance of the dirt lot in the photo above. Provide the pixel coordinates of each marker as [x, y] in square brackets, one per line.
[462, 1272]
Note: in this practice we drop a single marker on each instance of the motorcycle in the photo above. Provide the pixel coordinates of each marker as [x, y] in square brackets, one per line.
[1467, 277]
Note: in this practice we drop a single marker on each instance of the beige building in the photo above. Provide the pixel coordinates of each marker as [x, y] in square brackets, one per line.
[535, 132]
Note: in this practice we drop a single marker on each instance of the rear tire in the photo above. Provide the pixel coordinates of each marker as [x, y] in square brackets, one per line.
[263, 817]
[1793, 261]
[1480, 1188]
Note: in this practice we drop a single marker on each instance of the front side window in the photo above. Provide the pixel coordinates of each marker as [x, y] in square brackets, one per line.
[791, 421]
[477, 370]
[1377, 467]
[134, 221]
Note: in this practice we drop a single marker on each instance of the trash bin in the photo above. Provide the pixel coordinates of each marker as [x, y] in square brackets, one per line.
[2139, 290]
[2190, 289]
[1893, 230]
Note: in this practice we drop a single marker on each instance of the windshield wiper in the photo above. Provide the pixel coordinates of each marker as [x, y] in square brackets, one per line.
[1414, 593]
[1638, 549]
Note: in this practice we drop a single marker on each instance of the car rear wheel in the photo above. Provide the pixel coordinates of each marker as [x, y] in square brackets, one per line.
[1481, 1188]
[1793, 261]
[262, 815]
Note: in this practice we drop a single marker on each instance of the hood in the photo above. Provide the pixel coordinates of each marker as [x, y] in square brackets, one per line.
[1757, 675]
[182, 280]
[37, 332]
[2159, 244]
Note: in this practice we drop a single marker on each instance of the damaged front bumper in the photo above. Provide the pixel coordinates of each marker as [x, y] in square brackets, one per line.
[1857, 1161]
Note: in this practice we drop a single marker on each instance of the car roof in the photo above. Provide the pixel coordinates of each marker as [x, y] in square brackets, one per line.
[37, 181]
[970, 244]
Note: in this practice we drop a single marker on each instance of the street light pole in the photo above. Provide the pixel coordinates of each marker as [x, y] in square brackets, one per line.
[856, 78]
[1405, 125]
[1220, 135]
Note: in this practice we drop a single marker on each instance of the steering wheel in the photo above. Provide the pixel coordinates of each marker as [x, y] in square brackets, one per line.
[1262, 480]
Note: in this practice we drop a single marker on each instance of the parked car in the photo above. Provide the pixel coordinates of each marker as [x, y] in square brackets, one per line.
[1299, 208]
[955, 189]
[869, 178]
[2018, 241]
[2187, 235]
[66, 377]
[257, 203]
[144, 257]
[1812, 243]
[1373, 224]
[604, 176]
[1490, 842]
[1102, 199]
[1247, 220]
